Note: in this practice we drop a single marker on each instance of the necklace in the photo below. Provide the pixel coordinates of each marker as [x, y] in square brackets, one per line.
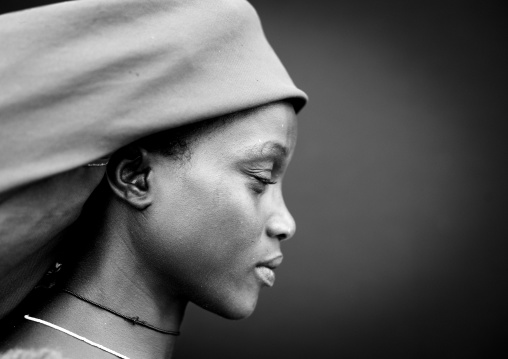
[74, 335]
[133, 320]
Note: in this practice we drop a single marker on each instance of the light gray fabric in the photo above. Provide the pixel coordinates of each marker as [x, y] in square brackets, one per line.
[31, 354]
[83, 78]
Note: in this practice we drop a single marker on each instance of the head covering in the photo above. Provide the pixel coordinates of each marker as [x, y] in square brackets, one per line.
[81, 79]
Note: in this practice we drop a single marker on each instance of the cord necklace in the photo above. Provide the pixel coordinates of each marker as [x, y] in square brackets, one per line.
[133, 320]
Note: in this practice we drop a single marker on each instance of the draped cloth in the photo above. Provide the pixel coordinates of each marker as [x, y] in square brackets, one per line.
[81, 79]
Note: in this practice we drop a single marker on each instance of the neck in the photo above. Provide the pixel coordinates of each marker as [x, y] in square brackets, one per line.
[110, 275]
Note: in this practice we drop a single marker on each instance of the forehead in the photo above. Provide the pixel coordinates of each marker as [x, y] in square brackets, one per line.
[270, 125]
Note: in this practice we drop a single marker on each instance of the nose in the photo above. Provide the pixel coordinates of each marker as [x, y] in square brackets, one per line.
[281, 224]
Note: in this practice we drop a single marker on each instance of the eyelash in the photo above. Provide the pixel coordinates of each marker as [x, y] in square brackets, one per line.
[263, 181]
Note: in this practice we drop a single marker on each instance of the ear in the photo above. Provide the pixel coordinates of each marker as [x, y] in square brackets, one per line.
[128, 176]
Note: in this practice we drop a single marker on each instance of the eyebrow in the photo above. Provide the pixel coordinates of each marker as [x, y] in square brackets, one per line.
[269, 149]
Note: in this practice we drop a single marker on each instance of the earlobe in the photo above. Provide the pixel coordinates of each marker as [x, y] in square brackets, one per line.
[128, 177]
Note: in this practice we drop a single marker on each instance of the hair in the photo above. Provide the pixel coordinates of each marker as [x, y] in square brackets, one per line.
[177, 142]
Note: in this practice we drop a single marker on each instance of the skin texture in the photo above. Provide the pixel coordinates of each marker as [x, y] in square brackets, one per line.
[178, 230]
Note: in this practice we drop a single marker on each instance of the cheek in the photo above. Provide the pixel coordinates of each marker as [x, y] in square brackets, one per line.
[224, 219]
[204, 230]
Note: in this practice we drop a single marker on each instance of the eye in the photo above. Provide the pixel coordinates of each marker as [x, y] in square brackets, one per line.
[260, 182]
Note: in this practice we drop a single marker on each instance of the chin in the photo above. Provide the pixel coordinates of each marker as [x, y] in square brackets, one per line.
[238, 314]
[233, 308]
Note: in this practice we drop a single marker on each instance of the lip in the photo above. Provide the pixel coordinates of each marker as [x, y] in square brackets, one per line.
[273, 262]
[264, 270]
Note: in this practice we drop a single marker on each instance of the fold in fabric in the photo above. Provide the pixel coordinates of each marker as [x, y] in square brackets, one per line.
[81, 79]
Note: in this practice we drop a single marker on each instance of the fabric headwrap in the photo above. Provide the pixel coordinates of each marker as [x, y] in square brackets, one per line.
[81, 79]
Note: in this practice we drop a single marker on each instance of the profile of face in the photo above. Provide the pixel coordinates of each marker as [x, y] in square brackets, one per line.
[208, 228]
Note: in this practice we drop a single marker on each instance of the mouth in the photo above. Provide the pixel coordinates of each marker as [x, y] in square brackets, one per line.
[264, 270]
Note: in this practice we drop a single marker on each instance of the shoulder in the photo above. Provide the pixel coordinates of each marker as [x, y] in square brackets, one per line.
[31, 354]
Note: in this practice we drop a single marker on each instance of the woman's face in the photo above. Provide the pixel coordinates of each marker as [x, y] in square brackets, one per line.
[214, 227]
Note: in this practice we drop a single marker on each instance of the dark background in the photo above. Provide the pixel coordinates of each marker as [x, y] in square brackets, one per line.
[398, 186]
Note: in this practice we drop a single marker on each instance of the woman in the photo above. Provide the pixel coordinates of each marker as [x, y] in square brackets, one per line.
[193, 213]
